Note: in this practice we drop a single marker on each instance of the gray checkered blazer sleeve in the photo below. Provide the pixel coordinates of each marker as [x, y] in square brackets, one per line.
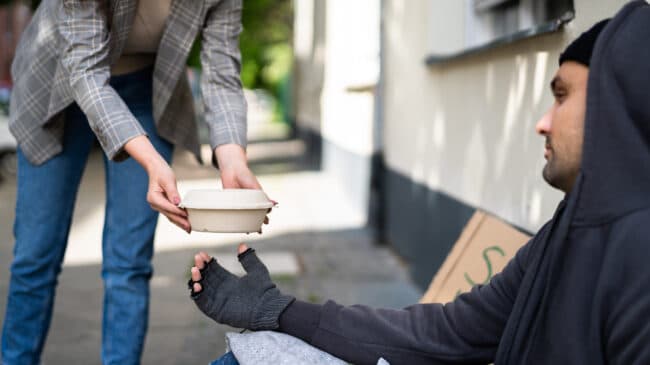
[86, 41]
[225, 105]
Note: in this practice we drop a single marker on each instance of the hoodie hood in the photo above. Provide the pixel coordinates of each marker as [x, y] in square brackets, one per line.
[614, 178]
[616, 152]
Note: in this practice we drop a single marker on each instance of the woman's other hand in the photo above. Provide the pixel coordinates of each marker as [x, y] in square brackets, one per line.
[233, 164]
[235, 173]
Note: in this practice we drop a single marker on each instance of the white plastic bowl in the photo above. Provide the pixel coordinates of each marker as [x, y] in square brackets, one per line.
[226, 211]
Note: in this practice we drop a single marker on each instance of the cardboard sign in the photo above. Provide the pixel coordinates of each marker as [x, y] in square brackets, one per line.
[483, 249]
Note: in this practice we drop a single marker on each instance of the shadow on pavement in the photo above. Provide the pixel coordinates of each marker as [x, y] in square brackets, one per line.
[342, 265]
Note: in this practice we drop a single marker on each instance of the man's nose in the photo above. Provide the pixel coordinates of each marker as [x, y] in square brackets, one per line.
[543, 126]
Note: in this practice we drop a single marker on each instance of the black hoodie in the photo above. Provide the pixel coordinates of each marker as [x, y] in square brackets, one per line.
[579, 291]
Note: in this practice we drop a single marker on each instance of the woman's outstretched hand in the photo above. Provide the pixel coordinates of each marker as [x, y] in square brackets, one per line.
[162, 194]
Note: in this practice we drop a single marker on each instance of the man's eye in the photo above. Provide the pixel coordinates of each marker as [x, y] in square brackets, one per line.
[559, 96]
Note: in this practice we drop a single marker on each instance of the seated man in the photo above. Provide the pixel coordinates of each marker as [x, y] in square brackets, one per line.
[576, 293]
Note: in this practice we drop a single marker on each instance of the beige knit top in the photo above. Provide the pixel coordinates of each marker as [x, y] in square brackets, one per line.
[142, 44]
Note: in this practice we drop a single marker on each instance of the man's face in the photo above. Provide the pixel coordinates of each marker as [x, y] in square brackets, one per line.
[563, 126]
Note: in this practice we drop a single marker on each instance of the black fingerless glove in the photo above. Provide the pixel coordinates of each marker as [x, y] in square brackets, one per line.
[252, 301]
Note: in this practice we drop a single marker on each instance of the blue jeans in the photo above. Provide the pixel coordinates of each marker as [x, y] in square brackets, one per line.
[227, 359]
[45, 201]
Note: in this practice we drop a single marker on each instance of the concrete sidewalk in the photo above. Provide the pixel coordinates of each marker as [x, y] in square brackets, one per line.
[316, 249]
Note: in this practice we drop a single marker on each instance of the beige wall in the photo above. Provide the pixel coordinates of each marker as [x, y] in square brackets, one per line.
[309, 62]
[466, 128]
[336, 68]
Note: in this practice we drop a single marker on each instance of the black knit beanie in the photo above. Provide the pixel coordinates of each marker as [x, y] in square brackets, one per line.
[580, 49]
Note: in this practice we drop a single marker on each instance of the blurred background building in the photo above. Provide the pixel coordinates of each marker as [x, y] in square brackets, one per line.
[425, 109]
[14, 16]
[417, 111]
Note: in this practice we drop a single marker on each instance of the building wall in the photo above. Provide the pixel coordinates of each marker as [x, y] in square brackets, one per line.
[336, 68]
[455, 136]
[460, 135]
[309, 63]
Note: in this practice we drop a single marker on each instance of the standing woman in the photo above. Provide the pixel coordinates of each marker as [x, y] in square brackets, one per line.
[113, 70]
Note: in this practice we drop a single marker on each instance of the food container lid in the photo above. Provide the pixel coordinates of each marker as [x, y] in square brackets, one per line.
[226, 199]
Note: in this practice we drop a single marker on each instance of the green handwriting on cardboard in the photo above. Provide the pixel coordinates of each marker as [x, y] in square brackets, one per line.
[488, 263]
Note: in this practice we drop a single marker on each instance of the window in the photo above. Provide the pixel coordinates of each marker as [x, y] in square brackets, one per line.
[487, 23]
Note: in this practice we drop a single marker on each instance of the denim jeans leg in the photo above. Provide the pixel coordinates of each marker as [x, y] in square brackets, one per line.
[128, 236]
[44, 204]
[227, 359]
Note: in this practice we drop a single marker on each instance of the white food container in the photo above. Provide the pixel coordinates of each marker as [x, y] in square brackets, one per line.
[226, 211]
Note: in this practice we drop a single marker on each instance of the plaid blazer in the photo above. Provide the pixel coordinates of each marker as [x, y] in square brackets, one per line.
[65, 55]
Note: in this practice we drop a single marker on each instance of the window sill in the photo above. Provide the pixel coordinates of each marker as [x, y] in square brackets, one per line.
[549, 27]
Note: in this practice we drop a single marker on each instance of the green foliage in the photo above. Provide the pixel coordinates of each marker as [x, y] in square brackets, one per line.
[265, 45]
[194, 58]
[266, 50]
[4, 108]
